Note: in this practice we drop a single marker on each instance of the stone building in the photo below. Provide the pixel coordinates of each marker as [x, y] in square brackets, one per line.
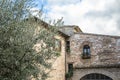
[86, 56]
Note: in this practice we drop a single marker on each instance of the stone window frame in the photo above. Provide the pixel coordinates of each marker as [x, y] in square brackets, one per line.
[82, 46]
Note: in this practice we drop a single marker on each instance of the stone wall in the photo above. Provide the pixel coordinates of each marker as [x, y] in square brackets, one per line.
[105, 55]
[69, 29]
[105, 50]
[113, 73]
[58, 68]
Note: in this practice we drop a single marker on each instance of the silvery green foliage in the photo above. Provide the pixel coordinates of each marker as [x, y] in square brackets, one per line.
[19, 60]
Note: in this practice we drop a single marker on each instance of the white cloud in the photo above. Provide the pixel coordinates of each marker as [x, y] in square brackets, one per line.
[35, 11]
[62, 2]
[92, 16]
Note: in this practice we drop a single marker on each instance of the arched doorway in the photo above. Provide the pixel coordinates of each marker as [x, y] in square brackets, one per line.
[95, 76]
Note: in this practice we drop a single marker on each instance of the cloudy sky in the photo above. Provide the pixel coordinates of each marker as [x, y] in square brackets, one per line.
[92, 16]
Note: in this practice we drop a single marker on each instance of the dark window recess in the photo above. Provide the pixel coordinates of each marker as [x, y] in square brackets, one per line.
[67, 46]
[95, 76]
[69, 74]
[70, 67]
[86, 52]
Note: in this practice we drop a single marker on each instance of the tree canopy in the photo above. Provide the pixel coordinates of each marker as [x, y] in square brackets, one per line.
[26, 47]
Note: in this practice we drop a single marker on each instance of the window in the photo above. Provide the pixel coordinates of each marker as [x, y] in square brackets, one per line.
[70, 71]
[86, 51]
[70, 67]
[57, 45]
[67, 46]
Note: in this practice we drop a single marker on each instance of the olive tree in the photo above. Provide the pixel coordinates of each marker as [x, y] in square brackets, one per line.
[20, 56]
